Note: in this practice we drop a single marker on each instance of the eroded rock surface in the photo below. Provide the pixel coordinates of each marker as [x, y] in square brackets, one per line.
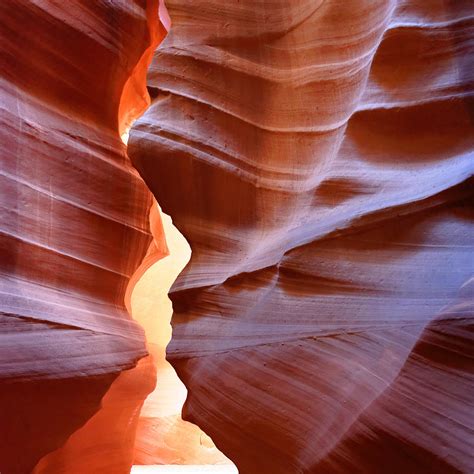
[74, 227]
[317, 156]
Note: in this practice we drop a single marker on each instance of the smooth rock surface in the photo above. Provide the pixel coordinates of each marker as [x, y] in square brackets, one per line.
[318, 156]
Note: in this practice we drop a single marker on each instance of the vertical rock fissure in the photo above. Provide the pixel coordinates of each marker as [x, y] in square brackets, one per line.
[163, 437]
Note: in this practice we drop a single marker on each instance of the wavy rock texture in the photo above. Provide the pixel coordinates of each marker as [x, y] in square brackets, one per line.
[73, 230]
[317, 156]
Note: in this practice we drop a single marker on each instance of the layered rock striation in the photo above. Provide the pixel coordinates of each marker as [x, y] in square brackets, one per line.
[74, 228]
[318, 156]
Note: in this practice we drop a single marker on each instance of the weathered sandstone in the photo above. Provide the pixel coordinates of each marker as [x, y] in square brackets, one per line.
[74, 227]
[317, 156]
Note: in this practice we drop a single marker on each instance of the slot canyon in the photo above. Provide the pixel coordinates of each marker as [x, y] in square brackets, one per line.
[237, 236]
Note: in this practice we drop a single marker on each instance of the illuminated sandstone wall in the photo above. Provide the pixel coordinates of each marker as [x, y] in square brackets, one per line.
[162, 436]
[73, 230]
[316, 156]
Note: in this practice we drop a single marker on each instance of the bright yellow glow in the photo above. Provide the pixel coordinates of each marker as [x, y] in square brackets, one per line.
[151, 306]
[125, 135]
[162, 435]
[153, 309]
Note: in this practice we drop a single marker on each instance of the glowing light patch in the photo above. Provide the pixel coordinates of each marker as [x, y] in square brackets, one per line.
[125, 135]
[162, 435]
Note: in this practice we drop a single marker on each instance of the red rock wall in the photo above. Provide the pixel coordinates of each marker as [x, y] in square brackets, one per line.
[74, 224]
[317, 156]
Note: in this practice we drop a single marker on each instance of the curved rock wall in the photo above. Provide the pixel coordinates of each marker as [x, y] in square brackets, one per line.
[317, 156]
[73, 227]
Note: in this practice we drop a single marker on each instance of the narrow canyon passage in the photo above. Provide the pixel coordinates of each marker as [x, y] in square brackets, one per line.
[163, 437]
[298, 182]
[164, 441]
